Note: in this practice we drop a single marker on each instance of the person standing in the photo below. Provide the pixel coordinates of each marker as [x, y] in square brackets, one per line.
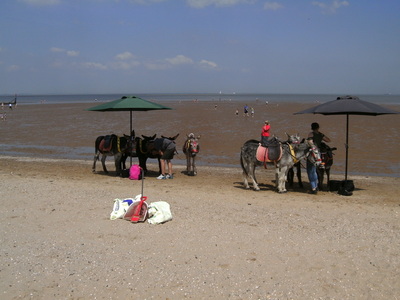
[167, 149]
[315, 138]
[246, 111]
[265, 133]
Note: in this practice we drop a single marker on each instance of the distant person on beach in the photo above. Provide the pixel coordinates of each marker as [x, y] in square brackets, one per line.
[252, 112]
[314, 138]
[10, 106]
[2, 105]
[237, 112]
[245, 111]
[167, 149]
[265, 133]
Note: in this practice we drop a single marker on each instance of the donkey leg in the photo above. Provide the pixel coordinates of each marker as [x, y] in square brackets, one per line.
[320, 173]
[96, 158]
[194, 166]
[252, 174]
[299, 175]
[290, 177]
[281, 174]
[187, 164]
[117, 162]
[103, 162]
[328, 177]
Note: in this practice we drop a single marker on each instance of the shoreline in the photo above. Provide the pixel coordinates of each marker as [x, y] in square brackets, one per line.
[181, 164]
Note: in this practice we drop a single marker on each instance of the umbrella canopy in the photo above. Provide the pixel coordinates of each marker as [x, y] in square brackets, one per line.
[129, 103]
[348, 105]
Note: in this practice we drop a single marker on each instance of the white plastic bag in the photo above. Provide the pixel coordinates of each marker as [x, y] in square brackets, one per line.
[159, 212]
[121, 206]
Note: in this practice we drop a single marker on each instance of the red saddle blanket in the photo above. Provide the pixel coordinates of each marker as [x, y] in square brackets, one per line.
[105, 145]
[269, 154]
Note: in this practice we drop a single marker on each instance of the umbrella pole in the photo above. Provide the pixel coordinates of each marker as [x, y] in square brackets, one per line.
[347, 144]
[130, 135]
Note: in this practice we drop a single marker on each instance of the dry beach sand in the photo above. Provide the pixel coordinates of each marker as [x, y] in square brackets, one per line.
[224, 242]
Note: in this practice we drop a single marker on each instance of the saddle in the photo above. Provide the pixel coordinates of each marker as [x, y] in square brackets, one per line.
[106, 143]
[272, 152]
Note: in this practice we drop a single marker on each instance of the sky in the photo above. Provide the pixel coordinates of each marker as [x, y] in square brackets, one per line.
[199, 46]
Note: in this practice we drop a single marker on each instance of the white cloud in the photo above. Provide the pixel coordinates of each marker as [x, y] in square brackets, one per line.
[124, 56]
[93, 65]
[124, 65]
[41, 2]
[55, 49]
[204, 3]
[13, 68]
[179, 60]
[67, 52]
[272, 6]
[209, 64]
[72, 53]
[332, 7]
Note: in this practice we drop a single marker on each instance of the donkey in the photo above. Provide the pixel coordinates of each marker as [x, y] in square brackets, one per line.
[289, 155]
[112, 145]
[294, 140]
[325, 167]
[145, 149]
[327, 162]
[190, 148]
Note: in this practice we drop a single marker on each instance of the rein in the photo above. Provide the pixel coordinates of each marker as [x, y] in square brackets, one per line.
[293, 155]
[118, 144]
[141, 146]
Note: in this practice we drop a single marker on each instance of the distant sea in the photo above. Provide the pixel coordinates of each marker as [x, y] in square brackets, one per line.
[170, 97]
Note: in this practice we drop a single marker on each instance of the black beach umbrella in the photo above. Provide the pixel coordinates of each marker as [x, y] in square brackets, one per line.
[348, 105]
[128, 103]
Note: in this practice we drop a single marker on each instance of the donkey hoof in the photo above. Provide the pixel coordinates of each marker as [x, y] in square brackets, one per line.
[282, 192]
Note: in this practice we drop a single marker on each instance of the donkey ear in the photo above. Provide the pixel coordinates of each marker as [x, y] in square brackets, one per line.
[287, 134]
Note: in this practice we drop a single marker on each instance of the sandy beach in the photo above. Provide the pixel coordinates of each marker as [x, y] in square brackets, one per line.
[224, 242]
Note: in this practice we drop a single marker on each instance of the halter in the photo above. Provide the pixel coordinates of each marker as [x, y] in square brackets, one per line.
[313, 151]
[191, 145]
[315, 154]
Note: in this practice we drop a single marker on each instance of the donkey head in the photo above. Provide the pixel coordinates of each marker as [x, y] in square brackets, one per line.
[191, 145]
[293, 139]
[314, 155]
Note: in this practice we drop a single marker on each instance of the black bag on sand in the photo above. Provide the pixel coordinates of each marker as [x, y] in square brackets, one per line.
[334, 185]
[346, 188]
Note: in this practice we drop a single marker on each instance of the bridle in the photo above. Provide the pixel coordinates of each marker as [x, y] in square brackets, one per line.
[191, 145]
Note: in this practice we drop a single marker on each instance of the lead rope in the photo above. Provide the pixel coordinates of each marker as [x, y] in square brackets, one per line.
[118, 144]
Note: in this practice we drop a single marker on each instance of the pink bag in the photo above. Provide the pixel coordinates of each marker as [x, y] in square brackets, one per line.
[135, 172]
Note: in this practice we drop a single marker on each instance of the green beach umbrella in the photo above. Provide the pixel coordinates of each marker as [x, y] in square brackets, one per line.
[129, 103]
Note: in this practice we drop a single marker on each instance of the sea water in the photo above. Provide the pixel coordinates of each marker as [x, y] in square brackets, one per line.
[242, 98]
